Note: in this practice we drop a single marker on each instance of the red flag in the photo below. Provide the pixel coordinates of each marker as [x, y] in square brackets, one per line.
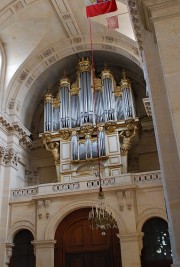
[99, 7]
[112, 23]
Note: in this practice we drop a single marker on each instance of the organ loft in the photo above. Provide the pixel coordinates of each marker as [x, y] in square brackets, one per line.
[88, 122]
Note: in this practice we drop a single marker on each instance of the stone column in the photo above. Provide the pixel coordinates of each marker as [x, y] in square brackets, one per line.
[163, 69]
[44, 251]
[9, 248]
[131, 245]
[8, 162]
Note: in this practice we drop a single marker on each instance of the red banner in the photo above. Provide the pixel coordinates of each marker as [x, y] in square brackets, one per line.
[99, 7]
[112, 23]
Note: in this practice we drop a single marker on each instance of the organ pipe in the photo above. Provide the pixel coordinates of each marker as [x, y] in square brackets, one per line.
[85, 96]
[48, 112]
[127, 97]
[108, 96]
[65, 103]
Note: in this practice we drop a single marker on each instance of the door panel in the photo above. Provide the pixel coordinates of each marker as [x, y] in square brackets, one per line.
[75, 260]
[79, 246]
[101, 259]
[96, 259]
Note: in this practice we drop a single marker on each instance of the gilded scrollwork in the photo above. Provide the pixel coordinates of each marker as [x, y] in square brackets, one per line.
[97, 84]
[74, 89]
[110, 127]
[65, 134]
[84, 65]
[46, 137]
[87, 129]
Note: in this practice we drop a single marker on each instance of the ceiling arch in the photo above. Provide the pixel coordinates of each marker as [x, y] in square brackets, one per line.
[23, 93]
[32, 110]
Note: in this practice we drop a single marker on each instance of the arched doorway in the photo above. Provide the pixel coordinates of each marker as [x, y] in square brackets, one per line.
[156, 250]
[79, 246]
[23, 252]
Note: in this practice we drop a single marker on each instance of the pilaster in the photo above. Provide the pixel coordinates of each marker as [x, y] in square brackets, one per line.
[9, 165]
[44, 251]
[131, 245]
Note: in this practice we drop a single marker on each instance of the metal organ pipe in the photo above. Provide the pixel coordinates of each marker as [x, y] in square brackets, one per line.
[85, 95]
[99, 107]
[88, 146]
[119, 108]
[101, 142]
[127, 96]
[65, 100]
[48, 112]
[108, 96]
[74, 146]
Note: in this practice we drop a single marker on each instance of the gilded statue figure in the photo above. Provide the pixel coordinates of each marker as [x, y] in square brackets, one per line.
[126, 139]
[54, 148]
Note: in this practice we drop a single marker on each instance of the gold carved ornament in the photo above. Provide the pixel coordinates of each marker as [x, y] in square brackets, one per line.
[110, 127]
[65, 134]
[84, 65]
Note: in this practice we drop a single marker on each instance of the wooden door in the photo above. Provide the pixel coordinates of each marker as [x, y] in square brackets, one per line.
[88, 259]
[79, 246]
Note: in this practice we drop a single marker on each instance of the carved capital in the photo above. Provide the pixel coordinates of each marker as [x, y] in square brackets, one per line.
[9, 248]
[10, 156]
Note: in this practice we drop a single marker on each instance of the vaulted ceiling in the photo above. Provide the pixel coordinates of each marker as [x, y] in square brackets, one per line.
[42, 38]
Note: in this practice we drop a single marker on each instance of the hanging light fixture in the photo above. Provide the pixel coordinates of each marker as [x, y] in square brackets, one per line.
[101, 216]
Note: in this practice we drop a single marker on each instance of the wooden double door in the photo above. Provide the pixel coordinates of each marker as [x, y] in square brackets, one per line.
[88, 259]
[79, 246]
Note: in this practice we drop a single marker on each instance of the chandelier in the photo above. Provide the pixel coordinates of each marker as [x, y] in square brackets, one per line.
[101, 216]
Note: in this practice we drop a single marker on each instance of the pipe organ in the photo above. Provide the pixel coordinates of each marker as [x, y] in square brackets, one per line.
[88, 119]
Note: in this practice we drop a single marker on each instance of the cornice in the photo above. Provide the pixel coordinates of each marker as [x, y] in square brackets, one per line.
[153, 10]
[135, 19]
[16, 128]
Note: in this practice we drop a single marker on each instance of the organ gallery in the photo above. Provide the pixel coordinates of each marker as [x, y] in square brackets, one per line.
[84, 118]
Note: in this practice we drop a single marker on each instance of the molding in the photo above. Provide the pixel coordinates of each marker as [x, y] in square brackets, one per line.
[154, 10]
[18, 226]
[38, 244]
[55, 220]
[16, 128]
[148, 214]
[12, 9]
[136, 23]
[130, 237]
[66, 17]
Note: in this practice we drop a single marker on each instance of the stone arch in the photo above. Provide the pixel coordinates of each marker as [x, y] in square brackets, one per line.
[18, 226]
[148, 214]
[54, 222]
[33, 67]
